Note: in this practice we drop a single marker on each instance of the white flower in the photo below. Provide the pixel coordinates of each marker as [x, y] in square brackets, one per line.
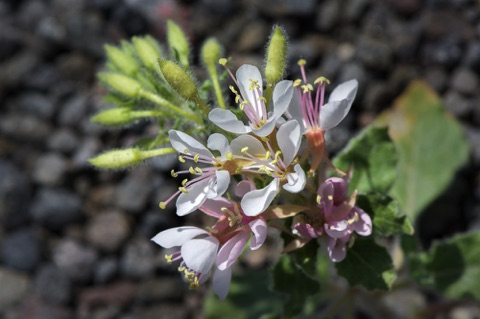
[252, 102]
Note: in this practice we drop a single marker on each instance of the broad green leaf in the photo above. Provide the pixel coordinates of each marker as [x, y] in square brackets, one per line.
[373, 157]
[294, 284]
[454, 265]
[367, 264]
[385, 213]
[305, 259]
[430, 143]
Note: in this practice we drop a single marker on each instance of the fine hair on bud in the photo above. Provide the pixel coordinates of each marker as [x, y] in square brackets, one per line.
[276, 55]
[179, 79]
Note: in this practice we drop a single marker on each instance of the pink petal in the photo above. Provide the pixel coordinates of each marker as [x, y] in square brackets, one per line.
[282, 95]
[259, 230]
[336, 249]
[326, 198]
[213, 206]
[221, 282]
[230, 251]
[244, 187]
[199, 254]
[363, 226]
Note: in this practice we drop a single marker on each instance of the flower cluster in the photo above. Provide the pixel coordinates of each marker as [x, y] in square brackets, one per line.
[270, 169]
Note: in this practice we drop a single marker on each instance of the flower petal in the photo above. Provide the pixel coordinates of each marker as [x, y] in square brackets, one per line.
[289, 138]
[245, 74]
[213, 207]
[256, 201]
[363, 226]
[181, 142]
[220, 143]
[282, 95]
[227, 121]
[199, 254]
[325, 190]
[221, 282]
[340, 187]
[244, 187]
[231, 250]
[259, 230]
[337, 229]
[295, 112]
[336, 249]
[295, 181]
[266, 128]
[255, 147]
[196, 196]
[344, 91]
[177, 236]
[221, 185]
[338, 104]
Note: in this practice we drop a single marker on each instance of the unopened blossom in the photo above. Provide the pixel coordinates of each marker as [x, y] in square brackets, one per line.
[314, 115]
[251, 100]
[196, 256]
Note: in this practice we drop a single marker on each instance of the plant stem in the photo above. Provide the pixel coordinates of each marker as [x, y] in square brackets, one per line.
[216, 85]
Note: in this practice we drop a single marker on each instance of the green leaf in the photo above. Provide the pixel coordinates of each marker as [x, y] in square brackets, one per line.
[367, 264]
[305, 259]
[454, 265]
[373, 158]
[294, 284]
[430, 143]
[385, 213]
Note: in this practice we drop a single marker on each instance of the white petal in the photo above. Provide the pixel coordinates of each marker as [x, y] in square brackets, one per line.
[296, 181]
[289, 137]
[245, 74]
[221, 282]
[199, 254]
[231, 250]
[227, 121]
[222, 182]
[196, 196]
[295, 112]
[181, 142]
[255, 202]
[282, 95]
[255, 147]
[244, 187]
[220, 143]
[213, 207]
[177, 236]
[266, 129]
[345, 91]
[259, 230]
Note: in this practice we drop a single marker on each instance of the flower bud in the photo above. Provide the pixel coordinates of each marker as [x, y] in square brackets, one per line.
[117, 159]
[121, 83]
[276, 56]
[115, 116]
[122, 61]
[211, 52]
[178, 79]
[178, 43]
[147, 51]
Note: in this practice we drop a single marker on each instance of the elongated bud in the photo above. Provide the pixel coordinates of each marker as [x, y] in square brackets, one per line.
[121, 83]
[115, 116]
[178, 43]
[276, 56]
[122, 61]
[117, 159]
[211, 52]
[179, 79]
[148, 53]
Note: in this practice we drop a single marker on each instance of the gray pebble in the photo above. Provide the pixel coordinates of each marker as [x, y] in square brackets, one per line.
[133, 192]
[457, 104]
[108, 231]
[74, 110]
[50, 169]
[75, 260]
[14, 285]
[63, 140]
[465, 81]
[21, 250]
[105, 270]
[138, 259]
[53, 284]
[37, 104]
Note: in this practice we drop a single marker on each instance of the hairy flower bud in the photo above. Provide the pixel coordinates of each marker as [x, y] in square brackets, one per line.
[178, 43]
[121, 60]
[179, 79]
[115, 116]
[211, 52]
[117, 159]
[121, 83]
[147, 50]
[276, 56]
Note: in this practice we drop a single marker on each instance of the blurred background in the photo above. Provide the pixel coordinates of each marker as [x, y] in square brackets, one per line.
[75, 241]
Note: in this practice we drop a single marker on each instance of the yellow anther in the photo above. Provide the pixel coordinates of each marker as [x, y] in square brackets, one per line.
[182, 268]
[184, 182]
[162, 205]
[172, 172]
[297, 82]
[181, 159]
[267, 155]
[302, 62]
[330, 197]
[265, 139]
[183, 190]
[169, 258]
[237, 99]
[191, 170]
[212, 230]
[196, 157]
[232, 88]
[262, 98]
[229, 156]
[319, 198]
[185, 151]
[245, 149]
[253, 85]
[354, 219]
[321, 80]
[198, 170]
[223, 61]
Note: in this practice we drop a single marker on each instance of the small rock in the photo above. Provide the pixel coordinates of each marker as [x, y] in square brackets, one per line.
[56, 208]
[21, 250]
[106, 270]
[50, 169]
[44, 78]
[377, 97]
[138, 259]
[108, 231]
[446, 52]
[473, 135]
[153, 221]
[75, 260]
[25, 127]
[356, 10]
[53, 284]
[472, 56]
[155, 290]
[164, 311]
[287, 7]
[133, 192]
[437, 78]
[406, 7]
[328, 15]
[119, 293]
[14, 288]
[37, 104]
[74, 110]
[36, 307]
[253, 36]
[63, 140]
[164, 163]
[457, 104]
[374, 53]
[87, 148]
[50, 29]
[465, 81]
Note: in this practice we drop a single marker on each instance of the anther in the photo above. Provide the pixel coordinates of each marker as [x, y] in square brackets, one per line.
[319, 198]
[302, 62]
[223, 61]
[330, 197]
[245, 149]
[297, 83]
[162, 205]
[181, 159]
[172, 172]
[184, 182]
[321, 80]
[191, 170]
[196, 157]
[183, 190]
[198, 170]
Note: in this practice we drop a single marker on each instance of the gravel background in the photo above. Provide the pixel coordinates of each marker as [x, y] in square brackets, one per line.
[74, 241]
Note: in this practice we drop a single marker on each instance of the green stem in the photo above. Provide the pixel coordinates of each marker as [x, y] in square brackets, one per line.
[203, 106]
[216, 85]
[161, 101]
[158, 152]
[146, 113]
[268, 93]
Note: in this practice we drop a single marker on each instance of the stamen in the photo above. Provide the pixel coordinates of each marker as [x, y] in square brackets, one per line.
[184, 182]
[302, 62]
[181, 159]
[223, 61]
[321, 80]
[183, 190]
[172, 172]
[297, 83]
[198, 170]
[330, 197]
[245, 149]
[196, 157]
[191, 170]
[162, 205]
[319, 198]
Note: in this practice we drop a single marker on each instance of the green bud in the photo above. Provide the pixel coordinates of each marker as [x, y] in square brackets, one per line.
[121, 83]
[122, 61]
[276, 56]
[179, 79]
[211, 52]
[115, 116]
[117, 159]
[178, 43]
[147, 52]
